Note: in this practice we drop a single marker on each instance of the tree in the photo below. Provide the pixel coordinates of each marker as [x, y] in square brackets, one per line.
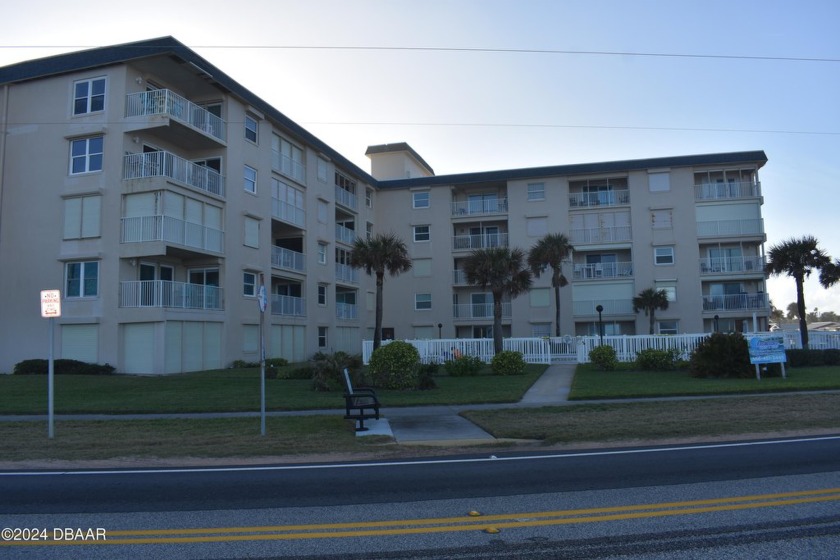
[797, 258]
[380, 253]
[649, 301]
[551, 252]
[791, 311]
[500, 270]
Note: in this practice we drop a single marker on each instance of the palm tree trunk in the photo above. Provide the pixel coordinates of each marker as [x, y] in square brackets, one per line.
[557, 310]
[497, 323]
[800, 307]
[652, 320]
[377, 333]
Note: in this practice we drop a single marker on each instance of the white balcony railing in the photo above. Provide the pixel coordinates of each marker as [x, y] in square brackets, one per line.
[166, 102]
[288, 305]
[346, 311]
[171, 230]
[717, 191]
[479, 241]
[345, 235]
[735, 302]
[346, 273]
[600, 235]
[487, 207]
[165, 293]
[730, 228]
[610, 307]
[600, 271]
[602, 198]
[459, 277]
[478, 310]
[287, 259]
[282, 210]
[346, 198]
[731, 265]
[166, 164]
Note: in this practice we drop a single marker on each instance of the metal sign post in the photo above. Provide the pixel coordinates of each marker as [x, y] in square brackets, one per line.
[50, 309]
[263, 301]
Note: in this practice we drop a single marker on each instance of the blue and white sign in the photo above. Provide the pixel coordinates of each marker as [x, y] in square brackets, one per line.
[767, 349]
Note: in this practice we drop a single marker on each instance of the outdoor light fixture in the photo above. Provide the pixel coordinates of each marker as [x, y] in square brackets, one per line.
[599, 308]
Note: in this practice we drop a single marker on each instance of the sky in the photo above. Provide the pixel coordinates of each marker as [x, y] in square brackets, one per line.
[479, 85]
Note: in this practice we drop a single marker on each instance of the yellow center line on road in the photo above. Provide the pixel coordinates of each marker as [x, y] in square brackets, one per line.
[448, 524]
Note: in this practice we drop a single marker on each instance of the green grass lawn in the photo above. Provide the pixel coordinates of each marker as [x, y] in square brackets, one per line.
[591, 383]
[231, 390]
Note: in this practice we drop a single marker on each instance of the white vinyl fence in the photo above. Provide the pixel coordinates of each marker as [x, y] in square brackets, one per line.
[577, 348]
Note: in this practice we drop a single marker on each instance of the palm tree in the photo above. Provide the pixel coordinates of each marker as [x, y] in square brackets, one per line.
[499, 269]
[551, 252]
[380, 253]
[797, 258]
[649, 301]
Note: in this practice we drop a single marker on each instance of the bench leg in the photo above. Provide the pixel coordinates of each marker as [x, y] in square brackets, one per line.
[361, 426]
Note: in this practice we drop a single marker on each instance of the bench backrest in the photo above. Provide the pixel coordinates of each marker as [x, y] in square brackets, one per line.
[347, 381]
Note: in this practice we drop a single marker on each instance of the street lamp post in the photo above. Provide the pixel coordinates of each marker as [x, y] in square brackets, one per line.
[440, 332]
[600, 308]
[717, 323]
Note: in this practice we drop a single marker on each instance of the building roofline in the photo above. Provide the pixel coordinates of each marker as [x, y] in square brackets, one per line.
[399, 147]
[725, 158]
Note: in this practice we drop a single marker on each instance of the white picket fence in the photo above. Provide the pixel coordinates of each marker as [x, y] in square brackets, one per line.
[577, 348]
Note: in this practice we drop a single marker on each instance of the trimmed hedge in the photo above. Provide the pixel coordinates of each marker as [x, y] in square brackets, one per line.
[603, 357]
[810, 358]
[395, 366]
[62, 366]
[508, 362]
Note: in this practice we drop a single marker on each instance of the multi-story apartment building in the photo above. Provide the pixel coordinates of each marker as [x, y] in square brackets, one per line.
[157, 193]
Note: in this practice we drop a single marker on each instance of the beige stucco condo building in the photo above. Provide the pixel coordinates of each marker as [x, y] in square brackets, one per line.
[155, 192]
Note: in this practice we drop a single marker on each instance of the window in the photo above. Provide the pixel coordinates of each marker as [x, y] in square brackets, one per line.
[668, 327]
[322, 337]
[540, 297]
[369, 198]
[323, 211]
[536, 227]
[287, 158]
[82, 279]
[659, 182]
[421, 233]
[661, 219]
[86, 155]
[288, 203]
[670, 292]
[422, 301]
[88, 96]
[322, 253]
[540, 330]
[82, 217]
[322, 294]
[420, 199]
[249, 284]
[250, 339]
[663, 255]
[422, 267]
[322, 170]
[252, 233]
[250, 129]
[368, 230]
[250, 180]
[536, 191]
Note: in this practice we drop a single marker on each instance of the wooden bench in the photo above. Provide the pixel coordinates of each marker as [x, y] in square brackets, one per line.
[360, 403]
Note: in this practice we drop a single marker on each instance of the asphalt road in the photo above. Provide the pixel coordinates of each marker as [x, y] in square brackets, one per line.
[750, 500]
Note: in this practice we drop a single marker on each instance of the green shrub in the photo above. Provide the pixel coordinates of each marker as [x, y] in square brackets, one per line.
[426, 376]
[722, 355]
[328, 370]
[300, 372]
[797, 357]
[651, 359]
[463, 366]
[395, 366]
[603, 357]
[242, 364]
[61, 366]
[508, 363]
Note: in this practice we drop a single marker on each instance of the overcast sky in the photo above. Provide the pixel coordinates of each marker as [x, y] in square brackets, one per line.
[477, 85]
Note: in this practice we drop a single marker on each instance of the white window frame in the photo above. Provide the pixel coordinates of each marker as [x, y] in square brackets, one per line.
[84, 213]
[249, 284]
[369, 197]
[322, 171]
[536, 191]
[322, 295]
[658, 256]
[86, 269]
[252, 233]
[674, 330]
[89, 97]
[249, 177]
[92, 160]
[322, 252]
[251, 129]
[427, 235]
[423, 302]
[322, 337]
[422, 199]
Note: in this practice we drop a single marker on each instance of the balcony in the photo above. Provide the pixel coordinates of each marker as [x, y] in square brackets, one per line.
[345, 235]
[282, 210]
[168, 294]
[346, 198]
[587, 308]
[479, 310]
[346, 311]
[470, 208]
[616, 234]
[731, 228]
[166, 164]
[732, 265]
[287, 259]
[163, 102]
[459, 278]
[288, 305]
[142, 229]
[602, 271]
[346, 273]
[479, 241]
[723, 191]
[736, 302]
[617, 197]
